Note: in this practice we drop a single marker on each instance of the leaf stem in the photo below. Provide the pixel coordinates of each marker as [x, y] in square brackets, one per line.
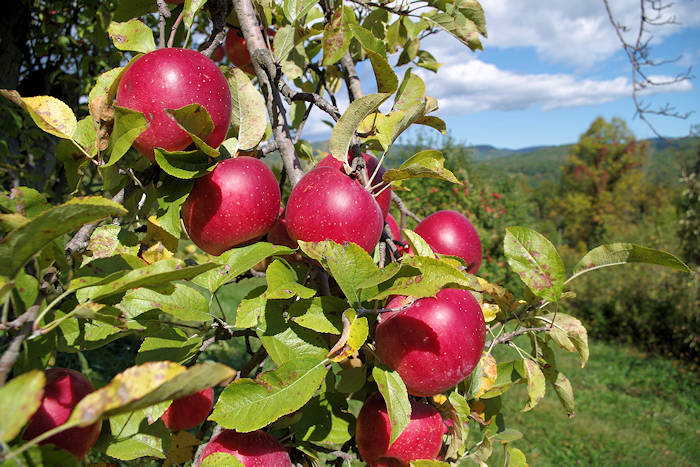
[50, 306]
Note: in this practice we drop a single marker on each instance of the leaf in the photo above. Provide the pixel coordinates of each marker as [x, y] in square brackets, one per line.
[190, 10]
[345, 127]
[132, 35]
[171, 196]
[351, 339]
[424, 164]
[536, 261]
[320, 314]
[419, 246]
[387, 82]
[20, 398]
[183, 303]
[393, 390]
[247, 405]
[349, 264]
[483, 377]
[325, 421]
[50, 114]
[535, 384]
[145, 385]
[421, 276]
[195, 120]
[184, 164]
[410, 92]
[21, 244]
[368, 41]
[464, 20]
[134, 437]
[152, 275]
[248, 110]
[335, 39]
[428, 463]
[236, 261]
[170, 344]
[297, 9]
[128, 125]
[623, 253]
[282, 282]
[283, 42]
[516, 458]
[221, 459]
[508, 374]
[110, 240]
[182, 444]
[569, 333]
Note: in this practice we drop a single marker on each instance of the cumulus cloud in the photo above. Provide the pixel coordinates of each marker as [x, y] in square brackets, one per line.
[476, 86]
[576, 33]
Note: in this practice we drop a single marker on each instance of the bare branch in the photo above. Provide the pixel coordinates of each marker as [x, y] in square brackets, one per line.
[218, 10]
[163, 15]
[403, 210]
[509, 336]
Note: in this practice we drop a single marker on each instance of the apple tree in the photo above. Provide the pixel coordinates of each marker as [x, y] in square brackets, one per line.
[188, 181]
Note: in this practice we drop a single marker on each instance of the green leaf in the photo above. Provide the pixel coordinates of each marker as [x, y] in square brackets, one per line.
[569, 333]
[247, 405]
[21, 244]
[282, 282]
[145, 385]
[516, 458]
[171, 196]
[421, 276]
[615, 254]
[393, 390]
[335, 38]
[325, 421]
[183, 303]
[20, 398]
[464, 20]
[50, 114]
[349, 265]
[345, 127]
[368, 41]
[128, 125]
[248, 110]
[536, 261]
[236, 261]
[428, 463]
[132, 35]
[410, 93]
[429, 163]
[535, 384]
[508, 374]
[297, 9]
[387, 82]
[250, 310]
[320, 314]
[221, 459]
[419, 246]
[155, 274]
[110, 240]
[190, 10]
[483, 377]
[283, 42]
[134, 437]
[184, 164]
[170, 344]
[195, 120]
[354, 337]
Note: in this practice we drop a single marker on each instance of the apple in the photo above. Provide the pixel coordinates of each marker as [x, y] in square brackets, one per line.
[433, 343]
[326, 204]
[189, 411]
[233, 204]
[171, 78]
[371, 162]
[63, 390]
[421, 439]
[254, 449]
[450, 233]
[237, 50]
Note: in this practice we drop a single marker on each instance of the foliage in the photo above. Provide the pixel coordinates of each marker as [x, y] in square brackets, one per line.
[80, 274]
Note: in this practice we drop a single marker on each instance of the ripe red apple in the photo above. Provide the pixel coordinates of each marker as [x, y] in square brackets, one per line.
[328, 205]
[189, 411]
[435, 342]
[383, 198]
[254, 449]
[171, 78]
[64, 389]
[421, 439]
[235, 203]
[450, 233]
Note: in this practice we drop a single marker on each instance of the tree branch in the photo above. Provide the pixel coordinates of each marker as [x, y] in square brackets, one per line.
[163, 15]
[509, 336]
[264, 70]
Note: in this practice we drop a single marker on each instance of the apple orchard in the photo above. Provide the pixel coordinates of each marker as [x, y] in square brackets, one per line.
[371, 339]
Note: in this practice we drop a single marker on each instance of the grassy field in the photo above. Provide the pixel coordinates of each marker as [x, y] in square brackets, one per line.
[632, 409]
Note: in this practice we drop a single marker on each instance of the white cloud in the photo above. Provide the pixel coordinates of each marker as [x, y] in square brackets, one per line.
[573, 32]
[476, 86]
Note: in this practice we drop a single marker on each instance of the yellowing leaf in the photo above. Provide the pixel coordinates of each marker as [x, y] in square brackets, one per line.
[535, 384]
[490, 310]
[489, 373]
[182, 446]
[50, 114]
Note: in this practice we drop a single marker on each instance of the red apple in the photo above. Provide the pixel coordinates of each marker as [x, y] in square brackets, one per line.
[421, 439]
[328, 205]
[384, 198]
[64, 389]
[450, 233]
[189, 411]
[435, 342]
[171, 78]
[175, 2]
[254, 449]
[235, 203]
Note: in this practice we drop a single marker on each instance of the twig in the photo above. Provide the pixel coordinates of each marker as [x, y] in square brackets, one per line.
[403, 209]
[176, 24]
[509, 336]
[164, 14]
[9, 357]
[258, 357]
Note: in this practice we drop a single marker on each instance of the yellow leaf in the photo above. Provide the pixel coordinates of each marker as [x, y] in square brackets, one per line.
[489, 373]
[182, 446]
[50, 114]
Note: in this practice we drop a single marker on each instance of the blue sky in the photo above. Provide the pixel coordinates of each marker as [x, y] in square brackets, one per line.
[550, 67]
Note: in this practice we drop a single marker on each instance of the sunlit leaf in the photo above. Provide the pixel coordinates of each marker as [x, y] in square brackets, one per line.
[20, 398]
[132, 35]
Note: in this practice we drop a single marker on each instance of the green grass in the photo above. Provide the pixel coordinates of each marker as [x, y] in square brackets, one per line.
[631, 409]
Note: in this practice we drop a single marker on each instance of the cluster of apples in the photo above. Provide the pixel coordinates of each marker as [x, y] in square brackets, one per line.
[433, 343]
